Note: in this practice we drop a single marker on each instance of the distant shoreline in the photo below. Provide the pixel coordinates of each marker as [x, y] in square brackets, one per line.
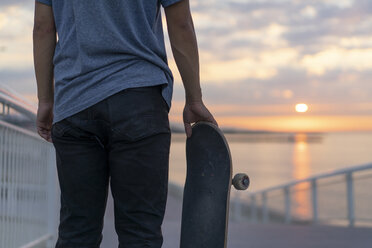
[178, 129]
[256, 137]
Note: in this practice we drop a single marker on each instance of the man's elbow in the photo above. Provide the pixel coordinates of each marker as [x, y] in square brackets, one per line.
[181, 28]
[185, 25]
[42, 29]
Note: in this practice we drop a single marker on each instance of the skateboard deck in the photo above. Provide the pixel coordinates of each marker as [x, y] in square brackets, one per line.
[206, 195]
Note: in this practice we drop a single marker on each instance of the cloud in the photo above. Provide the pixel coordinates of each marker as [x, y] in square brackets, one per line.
[15, 37]
[247, 65]
[334, 87]
[334, 57]
[328, 20]
[15, 21]
[21, 3]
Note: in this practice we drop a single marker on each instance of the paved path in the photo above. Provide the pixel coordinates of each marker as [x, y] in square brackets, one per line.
[255, 235]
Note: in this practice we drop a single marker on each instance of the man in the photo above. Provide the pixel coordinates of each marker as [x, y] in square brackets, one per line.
[107, 111]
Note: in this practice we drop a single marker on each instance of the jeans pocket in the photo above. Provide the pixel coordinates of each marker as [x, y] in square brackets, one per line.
[66, 128]
[143, 125]
[60, 128]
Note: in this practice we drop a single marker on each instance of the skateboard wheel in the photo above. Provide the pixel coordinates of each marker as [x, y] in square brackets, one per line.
[241, 181]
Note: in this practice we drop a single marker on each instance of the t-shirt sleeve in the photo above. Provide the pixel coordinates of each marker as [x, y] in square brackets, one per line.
[166, 3]
[47, 2]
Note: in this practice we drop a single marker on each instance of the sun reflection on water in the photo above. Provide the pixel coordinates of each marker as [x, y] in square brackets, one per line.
[301, 169]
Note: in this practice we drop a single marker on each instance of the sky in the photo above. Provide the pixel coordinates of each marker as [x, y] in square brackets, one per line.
[258, 59]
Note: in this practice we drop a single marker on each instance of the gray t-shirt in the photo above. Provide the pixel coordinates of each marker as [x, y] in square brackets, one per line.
[104, 47]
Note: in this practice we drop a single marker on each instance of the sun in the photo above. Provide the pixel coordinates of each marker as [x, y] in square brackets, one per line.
[301, 107]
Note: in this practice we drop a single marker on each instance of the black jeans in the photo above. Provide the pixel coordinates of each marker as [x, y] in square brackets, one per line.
[125, 140]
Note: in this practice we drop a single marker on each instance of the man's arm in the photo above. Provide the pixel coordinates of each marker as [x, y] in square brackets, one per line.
[185, 51]
[184, 47]
[44, 43]
[44, 38]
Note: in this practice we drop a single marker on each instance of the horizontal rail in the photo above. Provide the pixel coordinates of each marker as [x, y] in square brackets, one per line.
[21, 130]
[316, 177]
[11, 100]
[286, 189]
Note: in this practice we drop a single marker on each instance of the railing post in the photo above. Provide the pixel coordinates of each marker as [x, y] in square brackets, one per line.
[287, 200]
[314, 199]
[265, 214]
[350, 198]
[2, 181]
[253, 208]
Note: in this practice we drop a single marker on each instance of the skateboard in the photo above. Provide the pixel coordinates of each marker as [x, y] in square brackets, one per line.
[206, 196]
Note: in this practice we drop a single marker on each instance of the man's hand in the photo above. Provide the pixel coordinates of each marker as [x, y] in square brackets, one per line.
[195, 112]
[44, 120]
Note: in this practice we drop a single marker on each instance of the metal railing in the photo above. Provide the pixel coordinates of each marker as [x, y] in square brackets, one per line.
[28, 185]
[10, 100]
[338, 199]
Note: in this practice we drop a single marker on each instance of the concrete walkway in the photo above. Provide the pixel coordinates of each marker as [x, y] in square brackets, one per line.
[255, 235]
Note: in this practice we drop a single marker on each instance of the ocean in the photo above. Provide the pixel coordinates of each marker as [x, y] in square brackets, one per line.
[271, 159]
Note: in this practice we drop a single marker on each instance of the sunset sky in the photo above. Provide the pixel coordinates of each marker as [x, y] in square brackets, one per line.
[258, 58]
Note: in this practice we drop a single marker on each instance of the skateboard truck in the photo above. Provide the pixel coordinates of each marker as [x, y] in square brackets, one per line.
[241, 181]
